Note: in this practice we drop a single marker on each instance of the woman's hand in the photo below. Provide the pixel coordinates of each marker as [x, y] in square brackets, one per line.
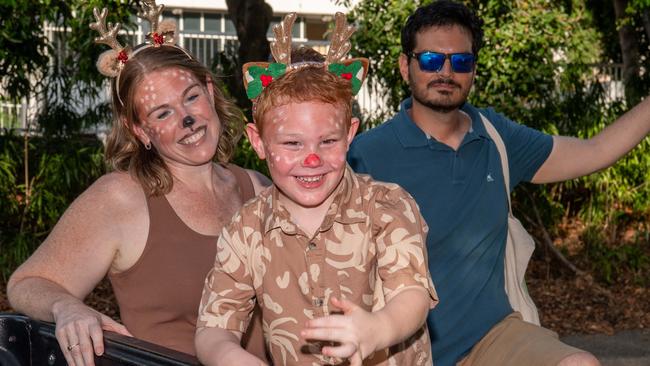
[357, 331]
[79, 331]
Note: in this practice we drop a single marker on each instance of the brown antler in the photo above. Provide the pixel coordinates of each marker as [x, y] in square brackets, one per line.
[107, 37]
[151, 12]
[281, 47]
[340, 41]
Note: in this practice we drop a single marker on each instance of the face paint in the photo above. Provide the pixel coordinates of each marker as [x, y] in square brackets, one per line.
[188, 121]
[306, 144]
[312, 160]
[164, 101]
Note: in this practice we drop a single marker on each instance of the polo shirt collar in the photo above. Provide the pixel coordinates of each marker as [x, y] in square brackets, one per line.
[478, 128]
[278, 217]
[410, 135]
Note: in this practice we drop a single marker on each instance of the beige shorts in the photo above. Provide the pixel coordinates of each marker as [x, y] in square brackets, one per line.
[515, 342]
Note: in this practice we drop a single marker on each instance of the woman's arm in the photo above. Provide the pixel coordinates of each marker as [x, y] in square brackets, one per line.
[53, 282]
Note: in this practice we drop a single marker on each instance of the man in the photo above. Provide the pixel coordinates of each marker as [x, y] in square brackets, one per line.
[438, 149]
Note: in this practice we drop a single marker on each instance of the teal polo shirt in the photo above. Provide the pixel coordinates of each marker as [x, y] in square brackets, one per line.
[462, 197]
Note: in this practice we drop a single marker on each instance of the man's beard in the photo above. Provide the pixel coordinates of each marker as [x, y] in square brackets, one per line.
[444, 106]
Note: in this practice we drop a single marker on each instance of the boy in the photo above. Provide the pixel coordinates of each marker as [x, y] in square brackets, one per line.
[335, 260]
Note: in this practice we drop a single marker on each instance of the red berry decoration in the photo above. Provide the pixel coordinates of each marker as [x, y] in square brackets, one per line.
[122, 57]
[266, 80]
[346, 75]
[158, 38]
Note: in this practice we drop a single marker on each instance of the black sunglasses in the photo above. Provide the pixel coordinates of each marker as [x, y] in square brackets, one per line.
[430, 61]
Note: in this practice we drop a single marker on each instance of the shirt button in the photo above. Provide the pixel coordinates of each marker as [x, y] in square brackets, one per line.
[311, 246]
[318, 302]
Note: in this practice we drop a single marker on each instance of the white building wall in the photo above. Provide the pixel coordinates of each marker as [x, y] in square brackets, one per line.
[302, 7]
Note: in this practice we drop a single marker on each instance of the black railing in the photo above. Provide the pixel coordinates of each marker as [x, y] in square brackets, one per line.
[27, 342]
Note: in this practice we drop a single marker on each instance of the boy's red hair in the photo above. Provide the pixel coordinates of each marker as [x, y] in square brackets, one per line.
[307, 83]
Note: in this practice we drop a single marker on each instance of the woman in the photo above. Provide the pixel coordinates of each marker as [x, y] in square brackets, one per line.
[152, 223]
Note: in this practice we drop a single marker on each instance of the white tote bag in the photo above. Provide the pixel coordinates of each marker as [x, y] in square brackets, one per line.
[519, 246]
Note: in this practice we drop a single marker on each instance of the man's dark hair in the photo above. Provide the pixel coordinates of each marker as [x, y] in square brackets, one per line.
[442, 13]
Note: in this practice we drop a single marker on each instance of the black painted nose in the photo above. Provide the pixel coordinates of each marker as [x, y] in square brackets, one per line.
[188, 121]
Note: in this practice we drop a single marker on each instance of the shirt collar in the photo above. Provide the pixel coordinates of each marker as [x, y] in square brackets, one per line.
[346, 195]
[410, 135]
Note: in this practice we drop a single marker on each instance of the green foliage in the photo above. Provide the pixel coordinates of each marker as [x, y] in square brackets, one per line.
[610, 262]
[534, 52]
[50, 47]
[60, 169]
[379, 23]
[637, 17]
[247, 158]
[24, 45]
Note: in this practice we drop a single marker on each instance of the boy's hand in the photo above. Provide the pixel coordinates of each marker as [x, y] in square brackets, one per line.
[356, 330]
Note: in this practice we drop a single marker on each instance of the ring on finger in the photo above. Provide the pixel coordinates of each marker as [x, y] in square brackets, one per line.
[70, 347]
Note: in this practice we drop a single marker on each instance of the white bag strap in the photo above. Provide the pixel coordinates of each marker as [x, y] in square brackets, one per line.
[496, 137]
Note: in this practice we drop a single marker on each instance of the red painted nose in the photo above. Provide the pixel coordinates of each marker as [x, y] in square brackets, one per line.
[312, 160]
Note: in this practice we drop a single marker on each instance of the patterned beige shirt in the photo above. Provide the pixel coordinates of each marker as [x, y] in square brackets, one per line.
[370, 246]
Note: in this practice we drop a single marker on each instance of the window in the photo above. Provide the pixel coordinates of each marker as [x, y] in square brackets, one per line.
[170, 15]
[145, 26]
[315, 30]
[212, 22]
[230, 26]
[192, 22]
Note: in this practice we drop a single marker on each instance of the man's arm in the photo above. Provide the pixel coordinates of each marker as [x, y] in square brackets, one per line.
[572, 157]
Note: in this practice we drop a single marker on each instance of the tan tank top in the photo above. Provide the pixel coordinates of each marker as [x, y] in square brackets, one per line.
[159, 295]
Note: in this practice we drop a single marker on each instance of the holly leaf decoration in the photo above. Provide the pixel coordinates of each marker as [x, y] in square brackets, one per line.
[262, 77]
[349, 72]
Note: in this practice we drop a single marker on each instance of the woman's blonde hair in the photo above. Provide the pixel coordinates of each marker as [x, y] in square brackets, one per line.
[124, 152]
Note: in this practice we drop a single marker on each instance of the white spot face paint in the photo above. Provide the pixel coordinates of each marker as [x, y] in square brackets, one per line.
[164, 91]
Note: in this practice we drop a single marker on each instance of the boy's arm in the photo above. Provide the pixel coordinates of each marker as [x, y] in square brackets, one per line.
[572, 157]
[361, 333]
[227, 302]
[217, 346]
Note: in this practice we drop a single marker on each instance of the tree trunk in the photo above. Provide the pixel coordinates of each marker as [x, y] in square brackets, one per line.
[630, 53]
[646, 22]
[251, 19]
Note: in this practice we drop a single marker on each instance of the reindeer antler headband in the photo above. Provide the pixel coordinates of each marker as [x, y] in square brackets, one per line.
[257, 75]
[111, 62]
